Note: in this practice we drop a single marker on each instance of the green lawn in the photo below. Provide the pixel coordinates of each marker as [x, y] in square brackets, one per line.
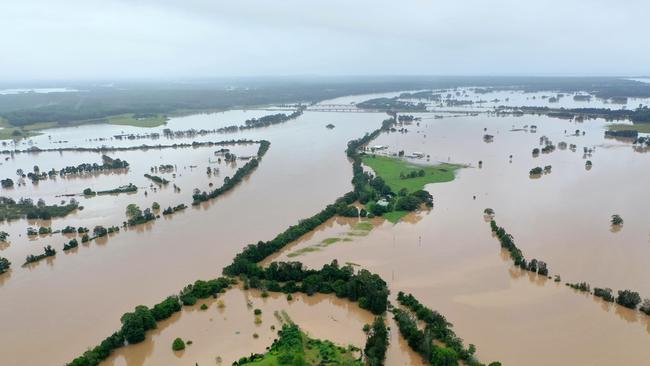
[641, 127]
[128, 120]
[395, 216]
[389, 169]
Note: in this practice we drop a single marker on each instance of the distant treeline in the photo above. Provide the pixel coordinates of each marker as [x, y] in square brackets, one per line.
[95, 103]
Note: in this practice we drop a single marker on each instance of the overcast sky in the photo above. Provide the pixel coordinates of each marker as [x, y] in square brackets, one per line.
[100, 39]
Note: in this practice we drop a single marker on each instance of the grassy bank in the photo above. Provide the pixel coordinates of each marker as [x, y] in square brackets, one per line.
[8, 132]
[147, 121]
[640, 127]
[391, 170]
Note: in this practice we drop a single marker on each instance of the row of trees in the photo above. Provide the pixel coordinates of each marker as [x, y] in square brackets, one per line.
[48, 251]
[507, 242]
[368, 289]
[265, 121]
[230, 183]
[123, 189]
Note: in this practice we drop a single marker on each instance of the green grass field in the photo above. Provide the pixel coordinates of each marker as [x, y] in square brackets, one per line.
[128, 120]
[640, 127]
[389, 170]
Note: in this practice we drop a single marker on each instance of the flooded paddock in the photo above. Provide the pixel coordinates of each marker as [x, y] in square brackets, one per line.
[446, 257]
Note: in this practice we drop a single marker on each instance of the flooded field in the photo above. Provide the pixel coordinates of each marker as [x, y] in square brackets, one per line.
[447, 257]
[60, 297]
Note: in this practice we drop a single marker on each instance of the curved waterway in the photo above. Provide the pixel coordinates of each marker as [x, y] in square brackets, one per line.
[65, 304]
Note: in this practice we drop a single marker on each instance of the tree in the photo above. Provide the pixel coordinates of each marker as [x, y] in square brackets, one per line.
[178, 345]
[133, 211]
[155, 206]
[377, 342]
[645, 306]
[135, 324]
[443, 356]
[629, 299]
[4, 265]
[616, 220]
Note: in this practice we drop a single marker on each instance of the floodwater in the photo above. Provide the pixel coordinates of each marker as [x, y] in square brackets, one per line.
[446, 256]
[63, 305]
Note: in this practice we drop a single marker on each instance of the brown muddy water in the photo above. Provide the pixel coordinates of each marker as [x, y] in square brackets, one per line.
[446, 257]
[225, 331]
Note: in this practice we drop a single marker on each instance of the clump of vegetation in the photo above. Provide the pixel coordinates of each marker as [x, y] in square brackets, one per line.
[582, 286]
[25, 208]
[178, 345]
[70, 245]
[7, 183]
[293, 347]
[204, 307]
[170, 210]
[129, 188]
[604, 293]
[5, 264]
[616, 220]
[136, 216]
[48, 251]
[628, 298]
[157, 179]
[536, 171]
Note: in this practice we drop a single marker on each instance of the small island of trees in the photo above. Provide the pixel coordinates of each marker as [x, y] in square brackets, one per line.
[25, 208]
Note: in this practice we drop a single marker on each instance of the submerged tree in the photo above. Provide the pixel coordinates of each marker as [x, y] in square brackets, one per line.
[617, 220]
